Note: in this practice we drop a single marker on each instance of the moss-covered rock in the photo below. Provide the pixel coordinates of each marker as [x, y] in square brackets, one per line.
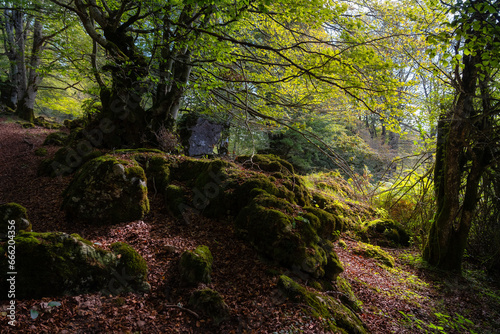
[13, 212]
[330, 226]
[67, 160]
[374, 252]
[56, 139]
[47, 123]
[267, 222]
[211, 304]
[133, 265]
[266, 163]
[55, 264]
[175, 199]
[338, 317]
[385, 232]
[107, 190]
[196, 266]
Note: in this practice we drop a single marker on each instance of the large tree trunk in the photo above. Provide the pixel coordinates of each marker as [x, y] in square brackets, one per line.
[460, 162]
[27, 102]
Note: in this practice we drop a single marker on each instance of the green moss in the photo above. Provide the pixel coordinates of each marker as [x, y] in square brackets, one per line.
[66, 161]
[157, 171]
[41, 152]
[267, 163]
[130, 261]
[106, 191]
[16, 212]
[374, 252]
[174, 199]
[348, 297]
[196, 266]
[138, 150]
[338, 318]
[329, 223]
[56, 139]
[267, 223]
[210, 303]
[62, 263]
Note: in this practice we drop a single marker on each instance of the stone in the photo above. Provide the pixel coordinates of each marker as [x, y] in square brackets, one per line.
[58, 264]
[106, 191]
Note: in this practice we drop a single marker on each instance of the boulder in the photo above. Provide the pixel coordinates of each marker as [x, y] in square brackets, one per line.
[106, 191]
[56, 139]
[289, 236]
[13, 212]
[338, 317]
[56, 264]
[196, 266]
[211, 304]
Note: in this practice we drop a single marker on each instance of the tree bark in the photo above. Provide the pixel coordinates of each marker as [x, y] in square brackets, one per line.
[27, 101]
[460, 162]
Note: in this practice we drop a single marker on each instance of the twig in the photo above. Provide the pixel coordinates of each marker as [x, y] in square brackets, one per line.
[184, 309]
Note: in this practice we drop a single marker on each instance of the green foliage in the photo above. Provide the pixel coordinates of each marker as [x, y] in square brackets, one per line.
[446, 324]
[408, 198]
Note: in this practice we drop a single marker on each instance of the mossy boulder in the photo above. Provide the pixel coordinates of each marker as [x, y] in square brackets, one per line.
[331, 225]
[385, 232]
[211, 304]
[56, 139]
[47, 123]
[220, 188]
[67, 160]
[196, 266]
[55, 264]
[132, 265]
[106, 191]
[268, 223]
[266, 163]
[13, 212]
[175, 199]
[338, 317]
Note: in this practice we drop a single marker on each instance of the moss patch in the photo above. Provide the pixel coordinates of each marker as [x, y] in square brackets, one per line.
[267, 163]
[337, 317]
[374, 252]
[267, 222]
[132, 265]
[196, 266]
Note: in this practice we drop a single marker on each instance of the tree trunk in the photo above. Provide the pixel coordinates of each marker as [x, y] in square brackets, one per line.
[20, 58]
[459, 159]
[27, 101]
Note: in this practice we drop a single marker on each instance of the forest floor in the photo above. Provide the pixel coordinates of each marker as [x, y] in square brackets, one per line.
[409, 298]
